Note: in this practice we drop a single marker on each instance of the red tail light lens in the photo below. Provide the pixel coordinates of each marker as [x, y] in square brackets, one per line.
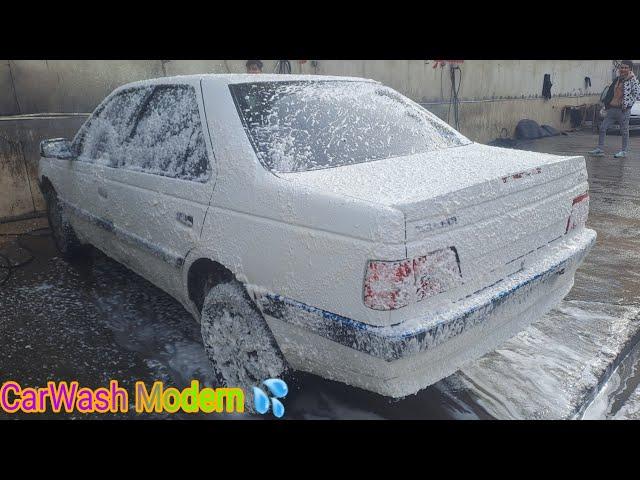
[392, 285]
[437, 272]
[579, 212]
[388, 285]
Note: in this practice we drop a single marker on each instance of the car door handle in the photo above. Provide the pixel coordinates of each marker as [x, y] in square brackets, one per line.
[102, 192]
[185, 219]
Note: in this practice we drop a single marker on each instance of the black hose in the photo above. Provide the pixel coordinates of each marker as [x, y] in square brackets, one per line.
[283, 67]
[453, 95]
[10, 265]
[454, 99]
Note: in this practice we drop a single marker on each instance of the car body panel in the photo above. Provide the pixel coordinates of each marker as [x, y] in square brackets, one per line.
[400, 360]
[497, 207]
[76, 184]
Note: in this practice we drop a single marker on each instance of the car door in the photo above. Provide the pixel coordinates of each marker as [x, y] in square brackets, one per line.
[98, 146]
[160, 192]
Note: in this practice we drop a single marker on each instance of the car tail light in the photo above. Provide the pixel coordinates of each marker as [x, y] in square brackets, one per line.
[579, 212]
[437, 272]
[388, 285]
[392, 285]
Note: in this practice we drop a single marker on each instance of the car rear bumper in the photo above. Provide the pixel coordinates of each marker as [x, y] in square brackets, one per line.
[401, 359]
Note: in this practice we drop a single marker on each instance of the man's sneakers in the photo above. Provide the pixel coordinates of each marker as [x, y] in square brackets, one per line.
[596, 152]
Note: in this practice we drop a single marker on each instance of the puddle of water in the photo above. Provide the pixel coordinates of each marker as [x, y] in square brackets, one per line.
[619, 398]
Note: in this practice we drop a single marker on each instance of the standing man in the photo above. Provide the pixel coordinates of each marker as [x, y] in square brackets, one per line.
[254, 66]
[620, 97]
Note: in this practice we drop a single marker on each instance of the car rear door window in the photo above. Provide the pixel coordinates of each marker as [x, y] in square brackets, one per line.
[168, 139]
[102, 139]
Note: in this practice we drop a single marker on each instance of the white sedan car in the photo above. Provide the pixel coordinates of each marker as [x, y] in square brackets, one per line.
[324, 224]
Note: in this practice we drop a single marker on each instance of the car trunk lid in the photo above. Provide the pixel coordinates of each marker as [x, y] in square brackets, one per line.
[496, 206]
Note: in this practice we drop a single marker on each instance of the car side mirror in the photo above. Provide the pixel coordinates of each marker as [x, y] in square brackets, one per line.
[56, 148]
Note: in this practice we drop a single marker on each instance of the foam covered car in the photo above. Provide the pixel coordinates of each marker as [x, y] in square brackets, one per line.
[324, 224]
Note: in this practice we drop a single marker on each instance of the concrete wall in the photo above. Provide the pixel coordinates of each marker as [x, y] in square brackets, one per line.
[36, 86]
[19, 152]
[495, 95]
[484, 121]
[66, 86]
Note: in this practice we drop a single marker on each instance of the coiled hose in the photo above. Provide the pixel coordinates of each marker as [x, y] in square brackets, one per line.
[9, 266]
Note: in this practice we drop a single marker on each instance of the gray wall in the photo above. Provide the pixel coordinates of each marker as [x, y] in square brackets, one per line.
[35, 86]
[19, 153]
[495, 95]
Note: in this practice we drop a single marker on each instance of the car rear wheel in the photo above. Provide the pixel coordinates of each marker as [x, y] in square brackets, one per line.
[63, 234]
[238, 340]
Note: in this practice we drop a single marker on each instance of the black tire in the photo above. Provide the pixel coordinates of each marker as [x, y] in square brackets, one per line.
[62, 232]
[238, 340]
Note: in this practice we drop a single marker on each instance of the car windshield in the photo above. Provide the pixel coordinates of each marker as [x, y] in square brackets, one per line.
[297, 126]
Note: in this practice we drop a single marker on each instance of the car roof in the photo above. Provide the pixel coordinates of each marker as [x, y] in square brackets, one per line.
[231, 78]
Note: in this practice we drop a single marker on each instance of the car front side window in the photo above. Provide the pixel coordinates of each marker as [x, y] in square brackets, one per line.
[102, 139]
[167, 139]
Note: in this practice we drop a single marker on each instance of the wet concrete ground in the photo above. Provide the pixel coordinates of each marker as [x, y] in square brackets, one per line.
[95, 321]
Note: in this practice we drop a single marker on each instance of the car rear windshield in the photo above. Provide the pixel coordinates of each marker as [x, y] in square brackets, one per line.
[297, 126]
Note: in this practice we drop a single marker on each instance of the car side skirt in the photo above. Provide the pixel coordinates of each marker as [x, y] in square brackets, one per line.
[169, 257]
